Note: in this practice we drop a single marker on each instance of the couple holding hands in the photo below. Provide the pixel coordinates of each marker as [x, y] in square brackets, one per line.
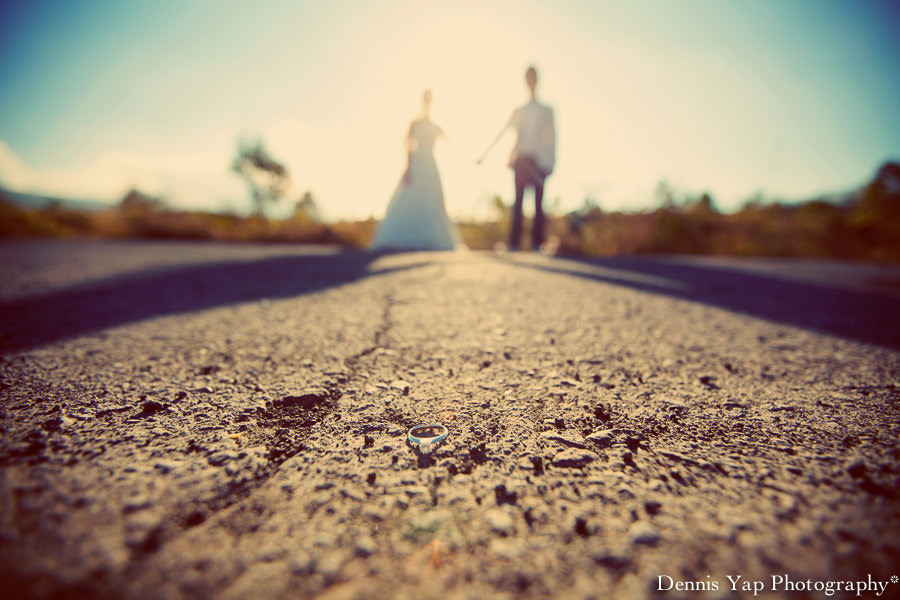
[416, 218]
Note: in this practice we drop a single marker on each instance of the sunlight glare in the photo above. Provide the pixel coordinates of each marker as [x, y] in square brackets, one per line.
[471, 63]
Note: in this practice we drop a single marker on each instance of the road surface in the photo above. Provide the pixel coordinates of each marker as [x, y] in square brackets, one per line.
[226, 421]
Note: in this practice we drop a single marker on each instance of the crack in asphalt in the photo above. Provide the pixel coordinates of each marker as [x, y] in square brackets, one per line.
[381, 333]
[292, 412]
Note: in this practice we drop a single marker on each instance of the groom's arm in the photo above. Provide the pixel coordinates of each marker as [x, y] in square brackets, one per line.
[496, 139]
[491, 146]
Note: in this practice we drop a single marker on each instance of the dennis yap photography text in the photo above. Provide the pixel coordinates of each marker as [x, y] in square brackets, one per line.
[777, 583]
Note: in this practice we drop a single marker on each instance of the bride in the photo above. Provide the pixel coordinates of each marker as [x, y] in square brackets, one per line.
[416, 217]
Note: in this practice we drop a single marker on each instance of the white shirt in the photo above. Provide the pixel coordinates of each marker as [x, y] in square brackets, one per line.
[536, 134]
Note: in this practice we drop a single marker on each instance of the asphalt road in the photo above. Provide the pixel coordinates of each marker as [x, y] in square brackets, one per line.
[201, 420]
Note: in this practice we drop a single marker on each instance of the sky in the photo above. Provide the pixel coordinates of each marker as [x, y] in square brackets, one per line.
[789, 99]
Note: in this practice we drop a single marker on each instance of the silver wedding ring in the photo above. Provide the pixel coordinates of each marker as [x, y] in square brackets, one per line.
[425, 436]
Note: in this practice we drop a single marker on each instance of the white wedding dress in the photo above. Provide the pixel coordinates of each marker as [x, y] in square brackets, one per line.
[416, 218]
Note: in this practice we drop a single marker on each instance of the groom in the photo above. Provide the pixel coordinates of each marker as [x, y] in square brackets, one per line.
[532, 159]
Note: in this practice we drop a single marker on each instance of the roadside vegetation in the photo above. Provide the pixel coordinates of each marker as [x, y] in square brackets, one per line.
[864, 225]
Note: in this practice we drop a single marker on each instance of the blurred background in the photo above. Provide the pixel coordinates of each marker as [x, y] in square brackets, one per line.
[760, 128]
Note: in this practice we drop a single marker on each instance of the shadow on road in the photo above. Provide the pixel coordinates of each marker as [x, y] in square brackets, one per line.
[117, 300]
[865, 316]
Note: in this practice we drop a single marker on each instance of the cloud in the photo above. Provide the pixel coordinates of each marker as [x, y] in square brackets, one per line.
[187, 179]
[350, 169]
[13, 172]
[93, 181]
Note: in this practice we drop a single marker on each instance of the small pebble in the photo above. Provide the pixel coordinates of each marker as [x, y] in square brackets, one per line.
[365, 546]
[857, 467]
[572, 458]
[564, 439]
[602, 438]
[642, 532]
[499, 521]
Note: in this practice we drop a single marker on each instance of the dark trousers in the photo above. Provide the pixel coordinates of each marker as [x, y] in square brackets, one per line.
[528, 174]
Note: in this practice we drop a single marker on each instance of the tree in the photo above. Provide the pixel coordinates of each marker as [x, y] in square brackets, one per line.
[878, 205]
[267, 178]
[306, 210]
[136, 201]
[754, 202]
[882, 195]
[665, 195]
[704, 205]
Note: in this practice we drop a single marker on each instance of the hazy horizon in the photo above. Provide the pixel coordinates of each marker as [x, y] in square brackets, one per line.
[789, 99]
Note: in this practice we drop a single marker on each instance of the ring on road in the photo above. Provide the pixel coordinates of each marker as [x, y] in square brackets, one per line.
[425, 436]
